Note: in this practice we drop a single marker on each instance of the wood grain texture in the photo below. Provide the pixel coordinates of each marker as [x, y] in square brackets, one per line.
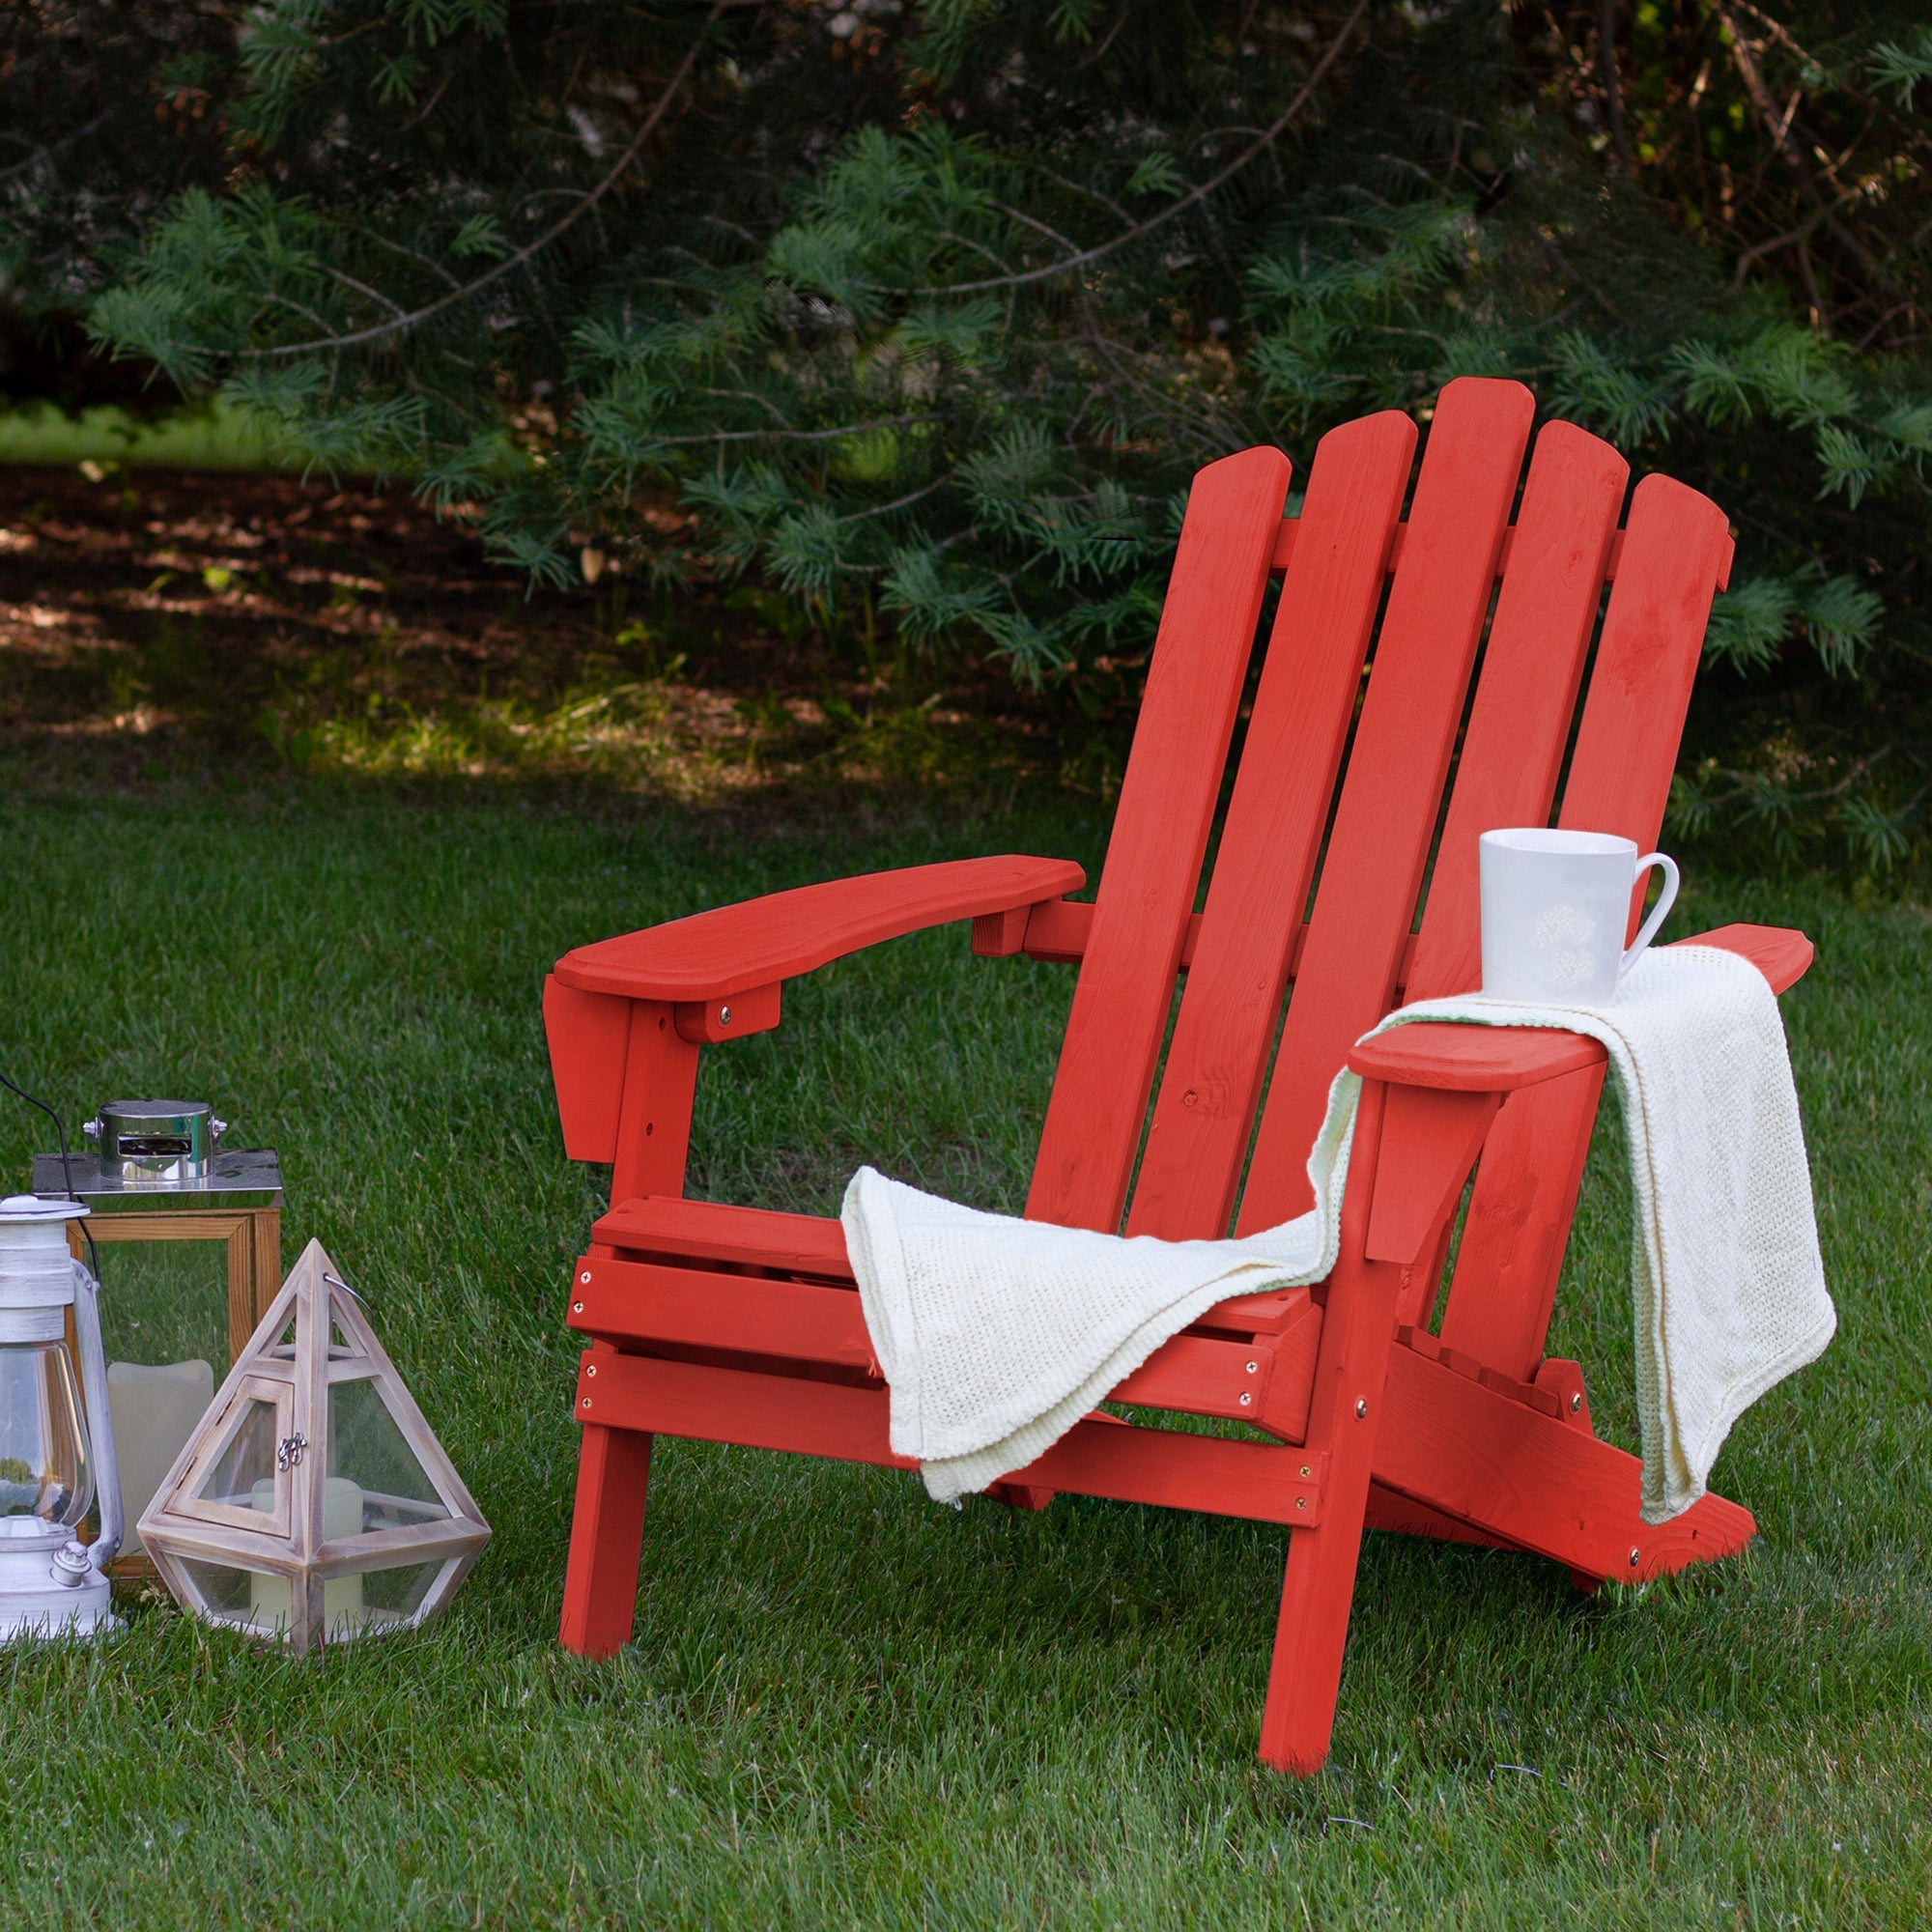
[1466, 1059]
[1677, 551]
[732, 949]
[1160, 836]
[1533, 1480]
[1393, 786]
[654, 1117]
[1252, 920]
[1345, 1417]
[1518, 727]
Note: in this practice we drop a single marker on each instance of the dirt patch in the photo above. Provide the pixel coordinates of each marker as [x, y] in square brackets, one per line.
[152, 618]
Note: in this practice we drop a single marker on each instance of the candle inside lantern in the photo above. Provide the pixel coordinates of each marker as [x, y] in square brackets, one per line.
[271, 1599]
[156, 1407]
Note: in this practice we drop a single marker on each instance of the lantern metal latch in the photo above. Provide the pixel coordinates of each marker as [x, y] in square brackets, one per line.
[290, 1450]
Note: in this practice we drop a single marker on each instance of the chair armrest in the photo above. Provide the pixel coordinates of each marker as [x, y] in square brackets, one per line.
[1459, 1057]
[1780, 953]
[760, 942]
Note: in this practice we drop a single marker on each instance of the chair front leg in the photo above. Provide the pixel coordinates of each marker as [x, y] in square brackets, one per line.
[654, 1113]
[1412, 1150]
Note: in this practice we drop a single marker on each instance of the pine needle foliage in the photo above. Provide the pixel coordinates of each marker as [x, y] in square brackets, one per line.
[924, 310]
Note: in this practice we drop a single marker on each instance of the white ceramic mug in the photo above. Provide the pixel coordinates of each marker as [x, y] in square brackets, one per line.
[1555, 908]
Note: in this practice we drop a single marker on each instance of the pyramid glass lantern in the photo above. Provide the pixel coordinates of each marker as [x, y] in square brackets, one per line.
[313, 1505]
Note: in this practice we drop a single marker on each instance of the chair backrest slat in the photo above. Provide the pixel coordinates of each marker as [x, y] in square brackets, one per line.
[1152, 868]
[1677, 555]
[1204, 1114]
[1527, 691]
[1392, 790]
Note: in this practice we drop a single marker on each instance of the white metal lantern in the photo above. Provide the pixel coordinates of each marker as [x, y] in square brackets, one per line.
[312, 1504]
[51, 1464]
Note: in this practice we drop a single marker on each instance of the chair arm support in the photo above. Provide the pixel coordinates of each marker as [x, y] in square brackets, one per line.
[757, 942]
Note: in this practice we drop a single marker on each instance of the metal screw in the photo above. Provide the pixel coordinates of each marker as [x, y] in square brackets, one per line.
[577, 1308]
[1306, 1470]
[584, 1277]
[1361, 1408]
[724, 1016]
[1253, 1367]
[586, 1402]
[1575, 1405]
[1245, 1400]
[591, 1367]
[1633, 1559]
[1302, 1502]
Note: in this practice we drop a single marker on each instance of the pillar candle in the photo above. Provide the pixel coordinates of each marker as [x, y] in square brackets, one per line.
[156, 1408]
[271, 1599]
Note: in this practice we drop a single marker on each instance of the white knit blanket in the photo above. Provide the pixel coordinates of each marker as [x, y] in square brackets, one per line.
[996, 1335]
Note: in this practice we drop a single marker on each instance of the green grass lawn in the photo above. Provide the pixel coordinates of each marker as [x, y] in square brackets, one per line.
[845, 1705]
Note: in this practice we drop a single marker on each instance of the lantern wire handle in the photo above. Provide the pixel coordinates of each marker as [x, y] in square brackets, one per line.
[336, 1281]
[67, 1167]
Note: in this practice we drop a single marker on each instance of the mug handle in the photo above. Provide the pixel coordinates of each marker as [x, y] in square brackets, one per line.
[1666, 899]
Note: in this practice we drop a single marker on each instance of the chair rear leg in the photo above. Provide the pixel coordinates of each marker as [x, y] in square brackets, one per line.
[606, 1531]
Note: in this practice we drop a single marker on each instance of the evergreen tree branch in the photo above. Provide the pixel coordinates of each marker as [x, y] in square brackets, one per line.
[1257, 147]
[511, 263]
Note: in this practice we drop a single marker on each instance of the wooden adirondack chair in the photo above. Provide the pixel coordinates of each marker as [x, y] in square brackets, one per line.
[740, 1325]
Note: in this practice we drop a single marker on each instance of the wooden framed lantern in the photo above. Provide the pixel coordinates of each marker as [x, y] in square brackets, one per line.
[312, 1504]
[197, 1230]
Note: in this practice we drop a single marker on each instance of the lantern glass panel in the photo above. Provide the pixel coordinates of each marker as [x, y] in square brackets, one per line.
[367, 1450]
[222, 1591]
[166, 1301]
[392, 1598]
[46, 1480]
[247, 1461]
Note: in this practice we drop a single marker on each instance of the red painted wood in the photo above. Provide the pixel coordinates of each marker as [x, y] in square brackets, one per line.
[1472, 1059]
[1290, 530]
[1534, 1480]
[1099, 1458]
[759, 1411]
[1455, 1441]
[588, 1033]
[711, 1231]
[1199, 1472]
[712, 1022]
[654, 1126]
[1387, 1510]
[1677, 551]
[1160, 836]
[1782, 956]
[1365, 904]
[1205, 1110]
[1345, 1417]
[1518, 727]
[1056, 934]
[732, 949]
[1273, 1311]
[1430, 1142]
[642, 1301]
[1517, 1226]
[599, 1585]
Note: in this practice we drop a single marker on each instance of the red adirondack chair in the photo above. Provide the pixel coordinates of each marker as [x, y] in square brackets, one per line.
[740, 1325]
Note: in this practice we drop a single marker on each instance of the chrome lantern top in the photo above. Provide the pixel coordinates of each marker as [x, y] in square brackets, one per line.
[156, 1143]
